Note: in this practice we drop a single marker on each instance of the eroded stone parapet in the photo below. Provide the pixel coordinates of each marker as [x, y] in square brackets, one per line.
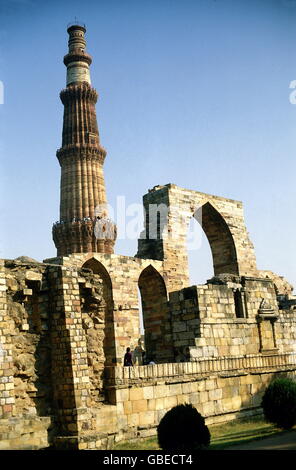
[282, 286]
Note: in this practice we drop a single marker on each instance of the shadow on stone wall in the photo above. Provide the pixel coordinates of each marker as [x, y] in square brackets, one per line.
[251, 404]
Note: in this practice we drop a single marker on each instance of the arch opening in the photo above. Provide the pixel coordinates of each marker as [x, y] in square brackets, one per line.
[220, 239]
[200, 258]
[96, 301]
[156, 320]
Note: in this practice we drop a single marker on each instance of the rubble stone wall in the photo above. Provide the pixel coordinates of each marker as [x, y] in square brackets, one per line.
[25, 374]
[65, 325]
[124, 273]
[208, 320]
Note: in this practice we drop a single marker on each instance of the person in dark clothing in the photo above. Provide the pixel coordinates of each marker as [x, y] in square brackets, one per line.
[128, 361]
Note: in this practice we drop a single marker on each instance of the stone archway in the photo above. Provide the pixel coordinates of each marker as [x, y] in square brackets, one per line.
[156, 319]
[220, 239]
[97, 319]
[222, 221]
[200, 257]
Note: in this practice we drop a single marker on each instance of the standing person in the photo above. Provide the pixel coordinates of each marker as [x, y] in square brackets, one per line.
[128, 361]
[138, 354]
[144, 360]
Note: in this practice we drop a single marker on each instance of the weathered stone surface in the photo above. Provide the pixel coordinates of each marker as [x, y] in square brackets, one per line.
[65, 324]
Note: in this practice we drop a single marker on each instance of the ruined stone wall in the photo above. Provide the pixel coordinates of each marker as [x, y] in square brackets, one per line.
[26, 371]
[282, 286]
[53, 377]
[124, 273]
[208, 322]
[285, 331]
[97, 323]
[27, 432]
[204, 319]
[28, 309]
[70, 373]
[51, 381]
[156, 315]
[58, 385]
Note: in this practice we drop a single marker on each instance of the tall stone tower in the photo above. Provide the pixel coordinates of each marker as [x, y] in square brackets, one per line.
[84, 225]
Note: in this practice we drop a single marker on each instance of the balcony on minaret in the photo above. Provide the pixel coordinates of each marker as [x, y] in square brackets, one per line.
[92, 138]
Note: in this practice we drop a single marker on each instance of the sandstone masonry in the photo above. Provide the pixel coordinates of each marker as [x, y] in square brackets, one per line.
[65, 323]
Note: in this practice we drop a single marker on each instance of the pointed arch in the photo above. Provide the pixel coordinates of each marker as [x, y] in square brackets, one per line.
[200, 258]
[155, 315]
[220, 239]
[98, 268]
[97, 319]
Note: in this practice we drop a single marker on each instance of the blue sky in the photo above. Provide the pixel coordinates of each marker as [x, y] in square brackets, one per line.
[194, 93]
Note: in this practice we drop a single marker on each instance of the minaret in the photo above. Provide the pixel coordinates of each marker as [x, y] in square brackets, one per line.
[84, 225]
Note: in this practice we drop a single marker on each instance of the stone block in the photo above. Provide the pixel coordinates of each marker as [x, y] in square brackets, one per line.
[33, 276]
[208, 408]
[194, 398]
[215, 394]
[82, 445]
[121, 422]
[227, 392]
[227, 404]
[127, 406]
[151, 404]
[122, 395]
[148, 392]
[236, 402]
[210, 384]
[159, 404]
[204, 397]
[160, 391]
[182, 399]
[133, 419]
[139, 405]
[147, 418]
[174, 390]
[159, 415]
[186, 388]
[136, 394]
[200, 386]
[169, 402]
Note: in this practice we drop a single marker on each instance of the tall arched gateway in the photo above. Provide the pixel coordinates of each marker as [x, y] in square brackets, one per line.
[155, 316]
[222, 221]
[220, 239]
[97, 319]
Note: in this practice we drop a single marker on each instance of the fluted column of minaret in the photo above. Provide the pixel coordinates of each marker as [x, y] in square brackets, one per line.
[84, 224]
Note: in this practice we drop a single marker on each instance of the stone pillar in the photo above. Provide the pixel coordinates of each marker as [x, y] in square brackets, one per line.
[70, 373]
[164, 238]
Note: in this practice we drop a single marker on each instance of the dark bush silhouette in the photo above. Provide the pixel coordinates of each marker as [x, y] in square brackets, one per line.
[183, 429]
[279, 403]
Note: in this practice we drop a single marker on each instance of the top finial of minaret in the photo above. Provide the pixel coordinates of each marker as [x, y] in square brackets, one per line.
[77, 60]
[76, 25]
